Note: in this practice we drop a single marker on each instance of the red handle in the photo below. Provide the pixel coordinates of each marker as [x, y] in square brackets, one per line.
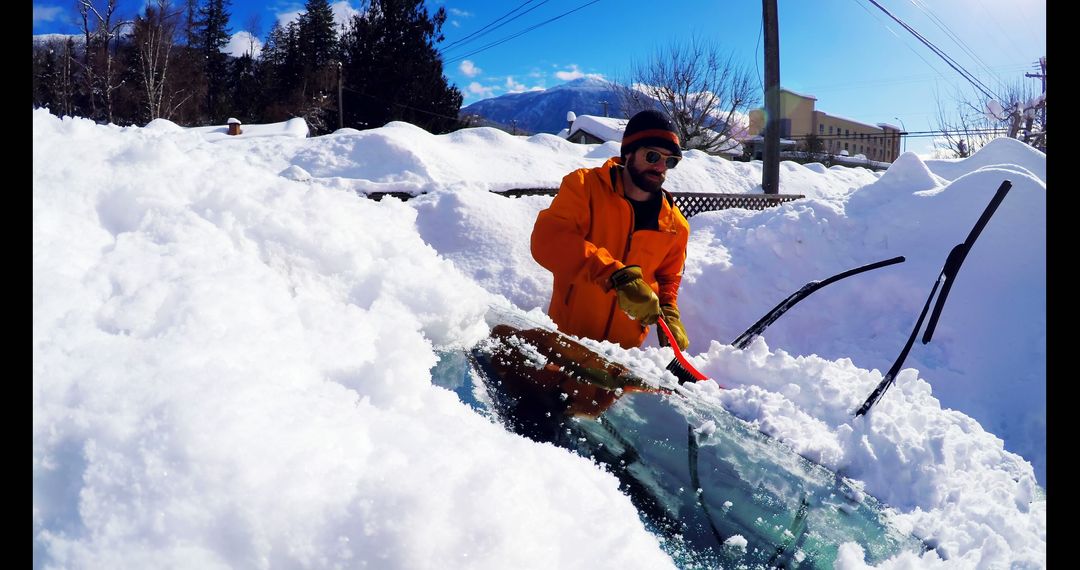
[678, 353]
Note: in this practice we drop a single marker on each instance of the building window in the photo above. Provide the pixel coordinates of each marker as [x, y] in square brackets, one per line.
[821, 129]
[830, 129]
[847, 133]
[846, 146]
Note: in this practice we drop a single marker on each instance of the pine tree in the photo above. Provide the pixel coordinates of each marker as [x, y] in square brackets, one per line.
[317, 43]
[245, 89]
[393, 71]
[212, 35]
[281, 73]
[318, 38]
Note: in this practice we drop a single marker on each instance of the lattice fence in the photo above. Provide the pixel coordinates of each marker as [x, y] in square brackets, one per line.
[692, 203]
[689, 203]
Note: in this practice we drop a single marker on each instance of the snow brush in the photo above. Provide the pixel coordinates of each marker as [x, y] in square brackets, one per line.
[679, 366]
[945, 280]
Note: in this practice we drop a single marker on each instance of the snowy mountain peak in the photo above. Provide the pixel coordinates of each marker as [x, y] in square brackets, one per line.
[584, 83]
[545, 111]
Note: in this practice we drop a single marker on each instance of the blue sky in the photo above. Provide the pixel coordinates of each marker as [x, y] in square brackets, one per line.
[853, 58]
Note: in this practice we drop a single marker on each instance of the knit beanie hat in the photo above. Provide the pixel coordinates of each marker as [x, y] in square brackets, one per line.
[649, 128]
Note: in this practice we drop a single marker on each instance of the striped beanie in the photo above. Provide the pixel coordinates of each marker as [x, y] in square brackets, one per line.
[649, 128]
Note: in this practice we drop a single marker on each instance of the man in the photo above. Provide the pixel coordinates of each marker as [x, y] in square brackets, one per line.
[616, 243]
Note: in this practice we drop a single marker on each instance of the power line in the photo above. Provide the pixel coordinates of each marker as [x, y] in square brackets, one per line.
[410, 107]
[952, 35]
[890, 30]
[522, 32]
[486, 26]
[951, 62]
[1001, 29]
[757, 44]
[911, 134]
[921, 78]
[481, 32]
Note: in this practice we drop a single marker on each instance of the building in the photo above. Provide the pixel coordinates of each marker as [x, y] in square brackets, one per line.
[590, 129]
[830, 134]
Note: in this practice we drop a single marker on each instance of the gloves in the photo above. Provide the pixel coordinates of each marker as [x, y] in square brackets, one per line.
[636, 298]
[671, 317]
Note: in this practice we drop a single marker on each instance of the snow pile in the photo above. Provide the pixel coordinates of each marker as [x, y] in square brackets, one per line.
[233, 351]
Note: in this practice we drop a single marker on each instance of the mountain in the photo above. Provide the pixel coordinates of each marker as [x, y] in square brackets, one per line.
[545, 111]
[58, 39]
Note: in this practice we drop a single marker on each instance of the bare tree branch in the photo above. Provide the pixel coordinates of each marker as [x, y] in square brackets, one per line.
[704, 92]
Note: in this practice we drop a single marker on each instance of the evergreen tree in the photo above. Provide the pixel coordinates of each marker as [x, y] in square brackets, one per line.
[212, 35]
[393, 71]
[317, 43]
[318, 38]
[44, 71]
[244, 89]
[191, 18]
[281, 73]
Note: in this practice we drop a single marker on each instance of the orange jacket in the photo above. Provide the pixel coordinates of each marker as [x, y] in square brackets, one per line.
[586, 235]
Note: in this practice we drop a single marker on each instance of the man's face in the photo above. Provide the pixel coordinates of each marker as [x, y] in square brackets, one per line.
[648, 177]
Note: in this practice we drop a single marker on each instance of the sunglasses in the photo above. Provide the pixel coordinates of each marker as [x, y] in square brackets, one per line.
[652, 157]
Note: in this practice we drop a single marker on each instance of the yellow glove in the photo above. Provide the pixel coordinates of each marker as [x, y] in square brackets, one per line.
[671, 317]
[636, 298]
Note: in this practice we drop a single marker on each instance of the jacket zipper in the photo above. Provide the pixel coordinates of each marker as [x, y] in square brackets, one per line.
[626, 252]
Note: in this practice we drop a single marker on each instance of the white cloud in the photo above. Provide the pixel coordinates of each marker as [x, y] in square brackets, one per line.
[243, 42]
[283, 18]
[576, 73]
[46, 13]
[469, 69]
[513, 86]
[455, 14]
[480, 91]
[343, 14]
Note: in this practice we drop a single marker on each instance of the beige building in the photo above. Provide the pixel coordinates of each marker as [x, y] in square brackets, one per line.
[799, 120]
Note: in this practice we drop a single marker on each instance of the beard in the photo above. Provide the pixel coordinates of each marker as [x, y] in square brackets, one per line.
[644, 178]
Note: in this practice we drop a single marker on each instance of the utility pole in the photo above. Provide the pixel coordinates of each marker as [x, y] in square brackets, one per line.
[1042, 66]
[770, 172]
[340, 107]
[605, 104]
[1042, 76]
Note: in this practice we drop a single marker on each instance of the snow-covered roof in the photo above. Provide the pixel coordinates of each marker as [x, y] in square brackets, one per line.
[799, 94]
[606, 128]
[611, 129]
